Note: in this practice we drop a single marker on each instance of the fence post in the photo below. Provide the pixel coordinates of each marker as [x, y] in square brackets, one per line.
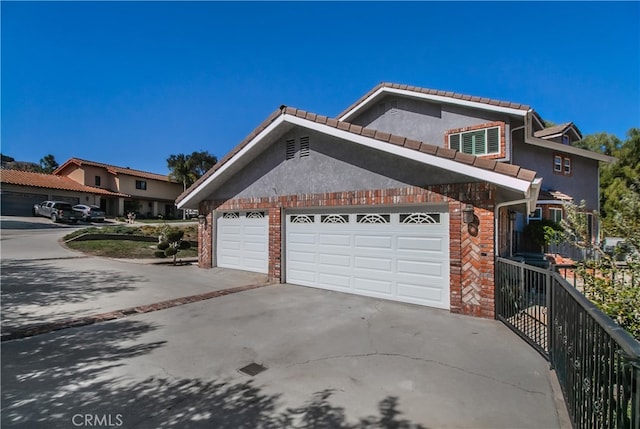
[550, 316]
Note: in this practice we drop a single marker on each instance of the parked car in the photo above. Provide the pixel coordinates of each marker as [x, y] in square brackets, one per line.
[89, 213]
[58, 211]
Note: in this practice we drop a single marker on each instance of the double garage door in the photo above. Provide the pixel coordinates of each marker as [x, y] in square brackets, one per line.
[397, 254]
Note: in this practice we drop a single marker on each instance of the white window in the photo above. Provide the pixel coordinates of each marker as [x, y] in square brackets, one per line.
[478, 142]
[562, 165]
[555, 214]
[536, 214]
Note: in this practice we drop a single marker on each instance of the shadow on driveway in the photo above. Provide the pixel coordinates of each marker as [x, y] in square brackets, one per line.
[28, 285]
[51, 380]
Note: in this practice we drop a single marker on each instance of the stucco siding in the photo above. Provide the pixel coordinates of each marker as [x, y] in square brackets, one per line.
[582, 184]
[333, 165]
[155, 189]
[424, 121]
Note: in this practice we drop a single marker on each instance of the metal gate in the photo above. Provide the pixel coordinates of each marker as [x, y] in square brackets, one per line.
[596, 361]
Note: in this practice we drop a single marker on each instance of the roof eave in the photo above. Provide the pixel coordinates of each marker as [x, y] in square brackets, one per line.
[196, 194]
[536, 141]
[345, 116]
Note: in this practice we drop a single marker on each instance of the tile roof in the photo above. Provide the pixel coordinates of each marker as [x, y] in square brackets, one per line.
[450, 94]
[50, 181]
[479, 162]
[549, 195]
[556, 129]
[113, 169]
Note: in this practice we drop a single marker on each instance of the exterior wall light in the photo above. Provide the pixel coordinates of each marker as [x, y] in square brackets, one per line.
[467, 214]
[512, 215]
[202, 220]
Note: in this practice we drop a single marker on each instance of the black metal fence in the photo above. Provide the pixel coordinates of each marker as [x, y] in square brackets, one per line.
[596, 361]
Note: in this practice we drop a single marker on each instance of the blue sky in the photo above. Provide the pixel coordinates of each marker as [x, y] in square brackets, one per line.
[130, 83]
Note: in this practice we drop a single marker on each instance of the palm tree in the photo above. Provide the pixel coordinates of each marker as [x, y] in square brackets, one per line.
[181, 170]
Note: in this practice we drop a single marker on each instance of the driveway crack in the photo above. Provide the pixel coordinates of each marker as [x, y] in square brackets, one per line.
[399, 355]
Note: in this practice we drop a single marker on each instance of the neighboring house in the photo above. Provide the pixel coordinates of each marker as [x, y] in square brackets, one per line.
[22, 189]
[405, 196]
[148, 194]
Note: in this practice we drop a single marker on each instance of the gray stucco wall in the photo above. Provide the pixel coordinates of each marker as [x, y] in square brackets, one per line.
[425, 121]
[333, 165]
[581, 185]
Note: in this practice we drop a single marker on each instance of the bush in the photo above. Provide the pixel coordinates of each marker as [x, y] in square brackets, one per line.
[171, 241]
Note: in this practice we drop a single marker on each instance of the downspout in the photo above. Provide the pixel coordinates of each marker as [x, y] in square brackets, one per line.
[511, 141]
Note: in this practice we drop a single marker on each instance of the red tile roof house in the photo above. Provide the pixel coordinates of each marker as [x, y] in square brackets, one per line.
[404, 196]
[22, 189]
[147, 193]
[117, 190]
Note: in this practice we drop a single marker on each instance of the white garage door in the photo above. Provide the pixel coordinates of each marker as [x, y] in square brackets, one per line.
[242, 241]
[397, 254]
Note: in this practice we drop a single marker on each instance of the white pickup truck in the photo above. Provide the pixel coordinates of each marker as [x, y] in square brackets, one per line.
[58, 211]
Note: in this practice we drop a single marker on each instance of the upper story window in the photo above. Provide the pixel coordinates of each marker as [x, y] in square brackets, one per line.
[565, 139]
[98, 180]
[141, 184]
[478, 140]
[562, 165]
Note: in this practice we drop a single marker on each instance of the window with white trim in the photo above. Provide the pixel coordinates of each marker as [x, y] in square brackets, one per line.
[562, 165]
[477, 142]
[536, 214]
[555, 214]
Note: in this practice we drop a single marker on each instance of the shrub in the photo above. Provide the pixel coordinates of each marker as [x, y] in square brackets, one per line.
[171, 242]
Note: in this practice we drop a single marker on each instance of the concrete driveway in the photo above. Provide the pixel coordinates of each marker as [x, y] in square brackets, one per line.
[43, 282]
[329, 360]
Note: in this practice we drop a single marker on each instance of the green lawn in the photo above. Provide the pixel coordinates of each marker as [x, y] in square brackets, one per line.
[124, 249]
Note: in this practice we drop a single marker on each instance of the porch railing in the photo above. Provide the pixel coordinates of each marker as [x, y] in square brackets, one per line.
[596, 361]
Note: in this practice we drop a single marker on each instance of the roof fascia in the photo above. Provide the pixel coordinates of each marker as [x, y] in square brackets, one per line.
[430, 97]
[535, 141]
[256, 140]
[501, 180]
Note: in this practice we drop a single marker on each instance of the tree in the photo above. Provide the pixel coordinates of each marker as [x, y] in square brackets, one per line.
[613, 287]
[171, 243]
[48, 164]
[620, 178]
[180, 169]
[186, 169]
[607, 144]
[201, 162]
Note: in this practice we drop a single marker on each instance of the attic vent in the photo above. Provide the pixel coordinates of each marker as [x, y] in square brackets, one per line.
[304, 146]
[290, 151]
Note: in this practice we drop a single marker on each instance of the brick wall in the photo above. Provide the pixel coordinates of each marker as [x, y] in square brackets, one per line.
[471, 247]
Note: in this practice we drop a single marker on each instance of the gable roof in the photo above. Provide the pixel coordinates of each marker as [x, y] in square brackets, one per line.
[436, 95]
[557, 130]
[113, 169]
[446, 158]
[50, 181]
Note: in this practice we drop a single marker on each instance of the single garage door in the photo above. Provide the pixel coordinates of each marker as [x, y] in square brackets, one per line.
[242, 241]
[396, 254]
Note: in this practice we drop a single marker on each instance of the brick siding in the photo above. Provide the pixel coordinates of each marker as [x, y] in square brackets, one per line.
[471, 248]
